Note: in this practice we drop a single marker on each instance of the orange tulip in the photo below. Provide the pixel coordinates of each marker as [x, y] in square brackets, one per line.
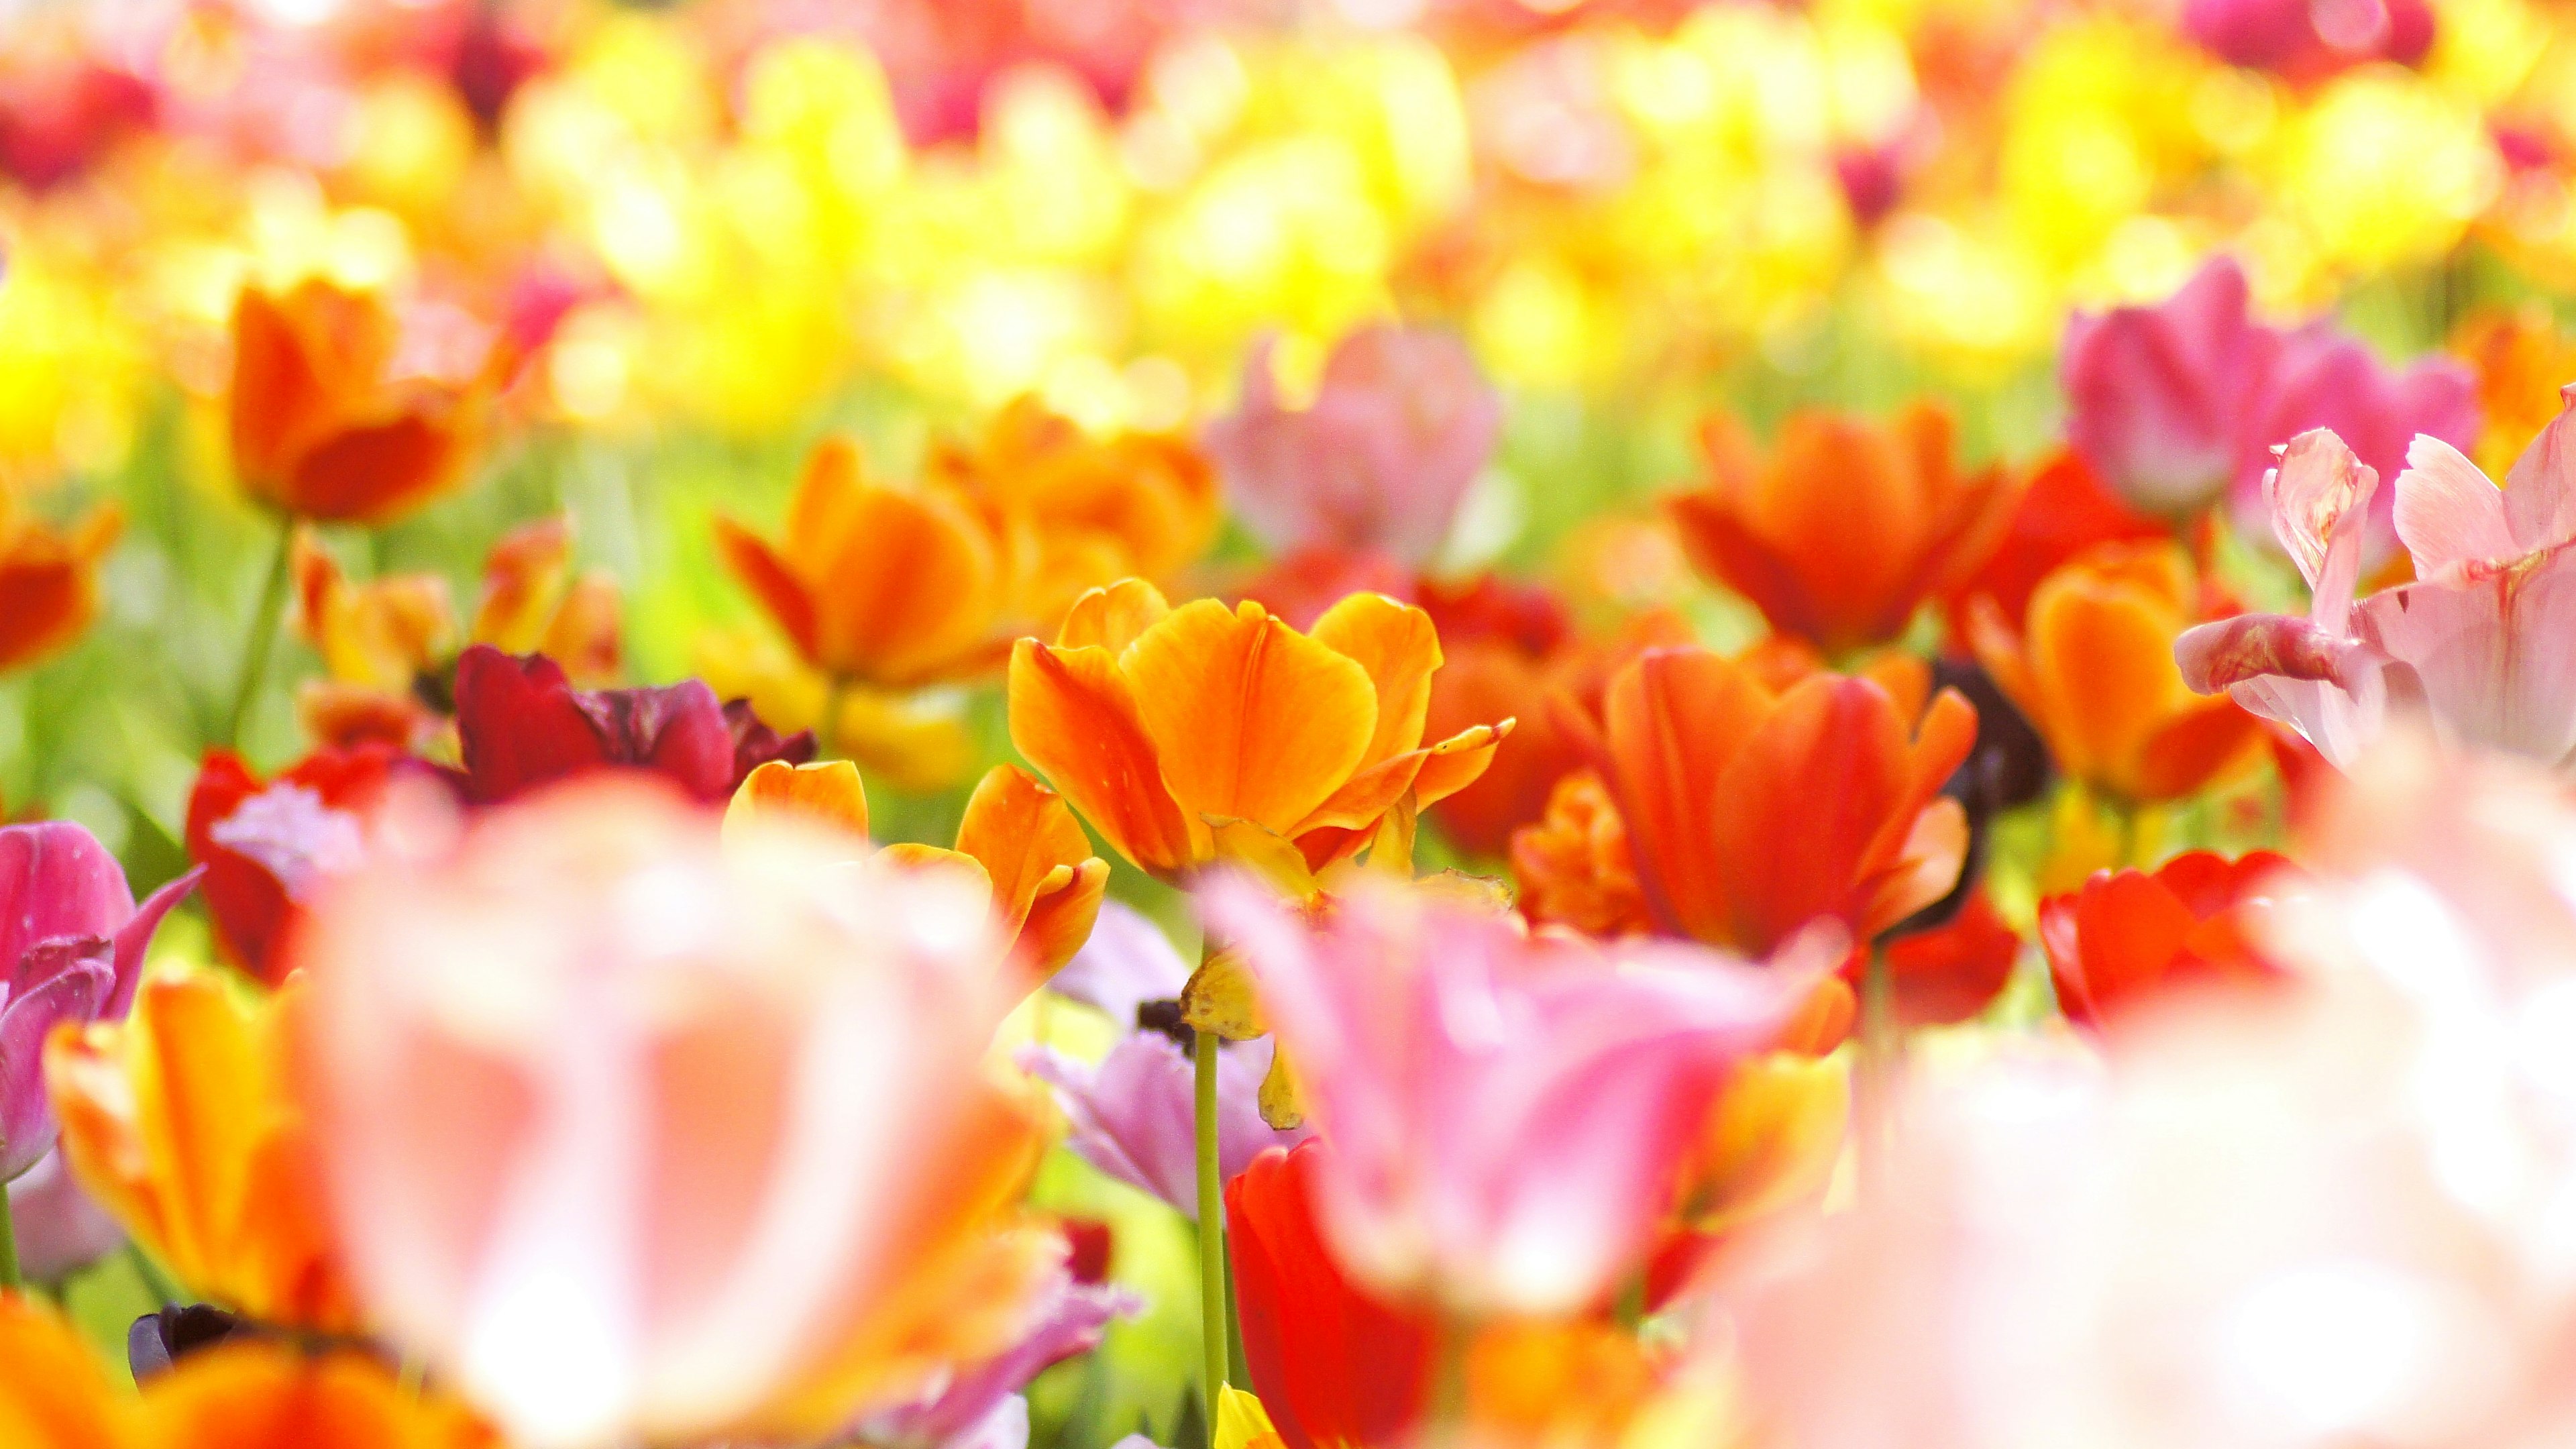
[1848, 527]
[1018, 840]
[255, 1395]
[380, 640]
[179, 1122]
[1755, 807]
[886, 586]
[1190, 733]
[49, 580]
[1077, 512]
[2093, 667]
[1574, 866]
[327, 421]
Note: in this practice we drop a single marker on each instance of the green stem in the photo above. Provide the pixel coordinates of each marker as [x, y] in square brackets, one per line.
[157, 1282]
[263, 636]
[9, 1278]
[1212, 1315]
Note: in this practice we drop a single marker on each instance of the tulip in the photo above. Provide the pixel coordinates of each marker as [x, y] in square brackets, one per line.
[1333, 1363]
[384, 642]
[631, 1133]
[268, 845]
[2092, 666]
[2160, 399]
[1769, 1146]
[248, 1396]
[324, 426]
[1183, 734]
[49, 580]
[1575, 867]
[1017, 842]
[2129, 938]
[1076, 513]
[889, 587]
[1400, 426]
[2494, 577]
[1752, 811]
[520, 724]
[1952, 972]
[1506, 1113]
[72, 943]
[1847, 528]
[2064, 511]
[179, 1121]
[1134, 1118]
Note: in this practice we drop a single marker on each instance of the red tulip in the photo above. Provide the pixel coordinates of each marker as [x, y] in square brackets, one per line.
[2131, 937]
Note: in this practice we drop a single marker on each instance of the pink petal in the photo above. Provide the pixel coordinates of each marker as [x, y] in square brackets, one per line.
[56, 880]
[2540, 491]
[2448, 514]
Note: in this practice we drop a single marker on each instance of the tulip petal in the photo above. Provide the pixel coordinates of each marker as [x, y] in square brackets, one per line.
[2448, 514]
[523, 582]
[770, 580]
[53, 1395]
[2540, 491]
[1801, 805]
[1074, 717]
[827, 793]
[1675, 721]
[1400, 649]
[1113, 616]
[1250, 719]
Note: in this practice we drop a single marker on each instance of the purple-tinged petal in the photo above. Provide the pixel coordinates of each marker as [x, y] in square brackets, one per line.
[73, 993]
[1069, 1320]
[60, 1229]
[1134, 1116]
[1127, 962]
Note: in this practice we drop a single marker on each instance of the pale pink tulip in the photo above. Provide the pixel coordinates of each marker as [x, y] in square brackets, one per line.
[2476, 645]
[630, 1136]
[2325, 378]
[2338, 1214]
[1134, 1115]
[1402, 424]
[1506, 1111]
[71, 950]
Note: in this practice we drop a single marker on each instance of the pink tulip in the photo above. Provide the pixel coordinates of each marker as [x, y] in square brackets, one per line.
[633, 1136]
[2308, 40]
[1506, 1112]
[2476, 645]
[1402, 424]
[2333, 1215]
[71, 950]
[1134, 1116]
[2160, 399]
[60, 1229]
[2179, 403]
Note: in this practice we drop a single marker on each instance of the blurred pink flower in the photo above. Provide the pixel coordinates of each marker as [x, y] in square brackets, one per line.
[71, 950]
[1127, 962]
[634, 1136]
[1401, 425]
[1506, 1112]
[1135, 1118]
[2176, 404]
[2336, 1215]
[2308, 40]
[2476, 644]
[60, 1229]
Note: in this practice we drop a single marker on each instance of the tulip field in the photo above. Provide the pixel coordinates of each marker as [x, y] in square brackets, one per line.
[1288, 724]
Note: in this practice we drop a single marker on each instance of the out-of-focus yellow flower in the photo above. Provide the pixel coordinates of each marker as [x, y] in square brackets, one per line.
[916, 742]
[2098, 120]
[2384, 170]
[72, 364]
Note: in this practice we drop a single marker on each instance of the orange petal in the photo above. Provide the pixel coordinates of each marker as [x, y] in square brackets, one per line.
[583, 636]
[1073, 717]
[1060, 919]
[1400, 649]
[1458, 761]
[274, 1395]
[52, 1395]
[828, 793]
[1022, 832]
[2101, 657]
[372, 473]
[826, 504]
[1927, 867]
[762, 571]
[2195, 746]
[1113, 616]
[1675, 719]
[911, 589]
[49, 585]
[523, 581]
[1250, 719]
[1800, 807]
